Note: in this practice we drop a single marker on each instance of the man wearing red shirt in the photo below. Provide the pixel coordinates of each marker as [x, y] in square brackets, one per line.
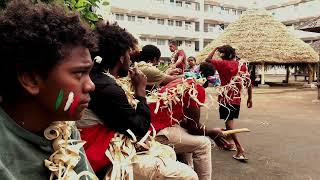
[187, 137]
[228, 68]
[178, 58]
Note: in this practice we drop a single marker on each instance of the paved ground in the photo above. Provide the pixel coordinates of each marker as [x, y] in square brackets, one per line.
[284, 142]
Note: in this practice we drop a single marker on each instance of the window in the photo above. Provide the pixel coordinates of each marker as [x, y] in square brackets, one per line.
[161, 21]
[141, 19]
[172, 2]
[160, 1]
[119, 17]
[189, 44]
[188, 26]
[170, 22]
[179, 23]
[152, 20]
[196, 46]
[206, 27]
[187, 5]
[197, 26]
[234, 12]
[179, 43]
[143, 39]
[197, 6]
[161, 42]
[179, 3]
[131, 18]
[206, 7]
[153, 40]
[227, 11]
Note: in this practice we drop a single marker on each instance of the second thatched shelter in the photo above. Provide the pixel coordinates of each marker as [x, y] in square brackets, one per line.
[261, 39]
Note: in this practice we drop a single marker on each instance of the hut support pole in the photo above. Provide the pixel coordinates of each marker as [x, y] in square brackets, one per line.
[318, 79]
[253, 74]
[310, 73]
[287, 74]
[262, 74]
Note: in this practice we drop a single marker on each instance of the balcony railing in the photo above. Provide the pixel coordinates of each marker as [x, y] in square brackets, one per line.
[150, 8]
[166, 31]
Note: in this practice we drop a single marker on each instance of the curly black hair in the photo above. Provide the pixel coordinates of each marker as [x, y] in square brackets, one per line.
[34, 38]
[114, 41]
[229, 52]
[206, 70]
[149, 52]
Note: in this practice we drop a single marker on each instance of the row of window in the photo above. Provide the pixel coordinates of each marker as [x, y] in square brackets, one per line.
[170, 22]
[179, 3]
[163, 42]
[222, 10]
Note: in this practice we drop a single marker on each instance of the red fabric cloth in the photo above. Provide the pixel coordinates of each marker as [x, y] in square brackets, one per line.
[97, 139]
[227, 70]
[162, 119]
[183, 64]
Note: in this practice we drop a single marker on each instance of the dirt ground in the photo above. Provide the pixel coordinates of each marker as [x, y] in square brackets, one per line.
[284, 139]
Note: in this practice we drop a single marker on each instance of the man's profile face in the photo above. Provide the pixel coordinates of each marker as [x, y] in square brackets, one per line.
[70, 76]
[124, 69]
[172, 47]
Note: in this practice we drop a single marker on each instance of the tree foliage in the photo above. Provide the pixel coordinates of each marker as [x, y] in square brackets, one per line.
[86, 8]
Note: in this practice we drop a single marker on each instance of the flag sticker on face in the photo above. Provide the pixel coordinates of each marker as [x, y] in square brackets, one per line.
[74, 104]
[69, 101]
[59, 100]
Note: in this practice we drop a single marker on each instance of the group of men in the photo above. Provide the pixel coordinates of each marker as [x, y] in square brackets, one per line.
[49, 77]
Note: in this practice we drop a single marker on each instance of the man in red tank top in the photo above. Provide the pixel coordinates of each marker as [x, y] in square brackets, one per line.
[228, 68]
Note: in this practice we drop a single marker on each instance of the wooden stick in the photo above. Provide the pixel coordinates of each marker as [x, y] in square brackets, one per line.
[235, 131]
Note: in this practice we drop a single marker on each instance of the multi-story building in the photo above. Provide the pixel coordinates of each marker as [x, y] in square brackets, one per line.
[195, 23]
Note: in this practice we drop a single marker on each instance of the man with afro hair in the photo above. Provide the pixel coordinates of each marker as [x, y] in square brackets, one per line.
[45, 57]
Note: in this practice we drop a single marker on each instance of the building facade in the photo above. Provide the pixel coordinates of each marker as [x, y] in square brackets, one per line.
[195, 23]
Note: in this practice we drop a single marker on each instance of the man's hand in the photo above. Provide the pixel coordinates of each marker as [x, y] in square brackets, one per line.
[139, 82]
[249, 103]
[210, 56]
[175, 71]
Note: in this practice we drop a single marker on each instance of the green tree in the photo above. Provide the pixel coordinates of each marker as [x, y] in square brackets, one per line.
[84, 7]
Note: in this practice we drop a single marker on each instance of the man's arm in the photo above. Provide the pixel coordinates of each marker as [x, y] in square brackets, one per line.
[179, 61]
[121, 116]
[211, 54]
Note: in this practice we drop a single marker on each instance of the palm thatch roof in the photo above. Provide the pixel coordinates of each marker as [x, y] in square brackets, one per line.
[313, 25]
[316, 46]
[259, 38]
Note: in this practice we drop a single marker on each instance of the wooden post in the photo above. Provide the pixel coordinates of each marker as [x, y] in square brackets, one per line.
[253, 75]
[262, 74]
[318, 79]
[310, 73]
[287, 74]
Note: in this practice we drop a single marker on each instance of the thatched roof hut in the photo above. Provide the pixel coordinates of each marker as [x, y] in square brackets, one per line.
[313, 25]
[261, 39]
[316, 46]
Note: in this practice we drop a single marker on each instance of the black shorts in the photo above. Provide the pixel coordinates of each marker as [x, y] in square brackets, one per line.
[229, 112]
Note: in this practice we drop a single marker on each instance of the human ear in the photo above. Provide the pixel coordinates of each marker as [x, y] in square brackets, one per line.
[30, 82]
[121, 59]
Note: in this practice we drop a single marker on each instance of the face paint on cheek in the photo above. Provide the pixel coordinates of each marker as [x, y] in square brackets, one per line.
[74, 105]
[59, 100]
[69, 101]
